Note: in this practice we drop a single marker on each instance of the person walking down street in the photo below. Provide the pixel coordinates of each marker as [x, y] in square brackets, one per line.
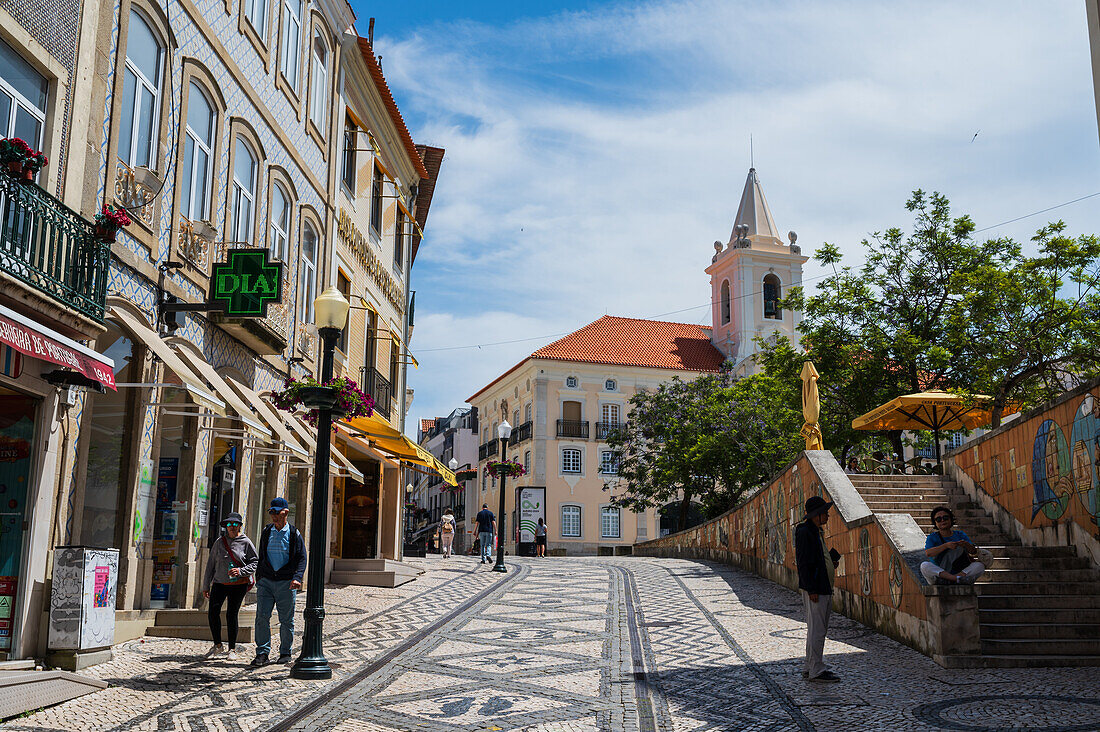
[540, 539]
[282, 564]
[951, 554]
[228, 578]
[486, 529]
[816, 576]
[446, 531]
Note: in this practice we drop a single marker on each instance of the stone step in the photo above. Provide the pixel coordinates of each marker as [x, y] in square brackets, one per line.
[1031, 552]
[1016, 574]
[376, 565]
[1039, 615]
[175, 618]
[1039, 646]
[370, 578]
[1011, 661]
[915, 494]
[990, 600]
[865, 478]
[1038, 588]
[1044, 631]
[1039, 564]
[246, 632]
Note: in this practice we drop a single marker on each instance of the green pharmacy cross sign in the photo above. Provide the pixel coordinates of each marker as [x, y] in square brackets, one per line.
[245, 285]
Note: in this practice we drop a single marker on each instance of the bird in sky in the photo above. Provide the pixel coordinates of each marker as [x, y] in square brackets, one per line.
[975, 137]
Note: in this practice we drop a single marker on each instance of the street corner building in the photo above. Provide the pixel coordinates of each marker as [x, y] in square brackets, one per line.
[564, 399]
[256, 141]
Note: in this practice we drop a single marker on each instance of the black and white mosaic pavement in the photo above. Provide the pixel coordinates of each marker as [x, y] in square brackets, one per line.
[563, 645]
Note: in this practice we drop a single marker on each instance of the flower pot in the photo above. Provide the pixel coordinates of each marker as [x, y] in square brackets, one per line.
[317, 397]
[28, 173]
[204, 230]
[15, 167]
[105, 233]
[146, 178]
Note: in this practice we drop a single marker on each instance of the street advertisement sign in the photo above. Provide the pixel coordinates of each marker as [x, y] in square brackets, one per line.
[532, 507]
[146, 503]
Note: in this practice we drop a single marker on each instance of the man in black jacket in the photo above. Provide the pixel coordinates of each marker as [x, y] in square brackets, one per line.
[279, 577]
[816, 574]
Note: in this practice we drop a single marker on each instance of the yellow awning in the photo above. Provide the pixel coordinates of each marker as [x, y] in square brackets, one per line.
[385, 437]
[199, 365]
[188, 378]
[931, 410]
[269, 414]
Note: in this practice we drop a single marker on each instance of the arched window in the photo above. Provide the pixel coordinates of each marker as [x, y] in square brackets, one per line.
[141, 87]
[318, 94]
[198, 151]
[725, 301]
[280, 223]
[244, 192]
[307, 273]
[292, 41]
[773, 290]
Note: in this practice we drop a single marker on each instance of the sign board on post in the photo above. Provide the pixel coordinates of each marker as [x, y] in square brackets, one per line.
[532, 507]
[245, 285]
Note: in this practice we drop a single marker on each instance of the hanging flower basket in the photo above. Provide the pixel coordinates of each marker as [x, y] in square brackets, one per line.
[342, 395]
[17, 154]
[511, 468]
[410, 507]
[464, 475]
[109, 221]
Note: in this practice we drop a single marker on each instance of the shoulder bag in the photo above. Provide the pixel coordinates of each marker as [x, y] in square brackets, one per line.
[240, 580]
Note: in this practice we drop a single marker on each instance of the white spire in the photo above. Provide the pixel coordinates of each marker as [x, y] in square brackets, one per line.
[754, 213]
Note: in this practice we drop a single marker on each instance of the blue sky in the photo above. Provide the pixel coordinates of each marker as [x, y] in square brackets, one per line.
[595, 151]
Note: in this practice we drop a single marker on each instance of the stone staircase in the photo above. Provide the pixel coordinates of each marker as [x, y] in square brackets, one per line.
[1037, 606]
[372, 572]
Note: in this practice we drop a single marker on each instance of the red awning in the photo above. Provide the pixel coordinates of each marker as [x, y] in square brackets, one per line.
[38, 341]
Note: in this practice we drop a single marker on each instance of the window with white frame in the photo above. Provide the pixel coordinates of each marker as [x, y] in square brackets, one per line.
[244, 192]
[609, 522]
[571, 460]
[571, 382]
[142, 78]
[527, 413]
[484, 481]
[610, 385]
[609, 463]
[280, 223]
[515, 417]
[527, 461]
[571, 521]
[610, 414]
[318, 94]
[198, 151]
[307, 273]
[292, 41]
[23, 93]
[256, 13]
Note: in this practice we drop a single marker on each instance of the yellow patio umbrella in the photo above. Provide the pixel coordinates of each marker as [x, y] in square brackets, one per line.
[931, 410]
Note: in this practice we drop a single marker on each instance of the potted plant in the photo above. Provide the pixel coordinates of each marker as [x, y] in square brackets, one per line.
[13, 151]
[109, 221]
[342, 395]
[465, 474]
[33, 163]
[510, 468]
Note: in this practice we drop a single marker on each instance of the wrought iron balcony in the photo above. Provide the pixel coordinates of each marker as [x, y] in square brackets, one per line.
[603, 429]
[573, 428]
[378, 386]
[52, 248]
[521, 433]
[488, 449]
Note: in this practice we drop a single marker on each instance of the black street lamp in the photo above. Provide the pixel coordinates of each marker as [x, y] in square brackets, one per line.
[331, 314]
[504, 431]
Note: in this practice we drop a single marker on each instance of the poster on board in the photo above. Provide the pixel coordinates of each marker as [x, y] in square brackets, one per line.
[532, 507]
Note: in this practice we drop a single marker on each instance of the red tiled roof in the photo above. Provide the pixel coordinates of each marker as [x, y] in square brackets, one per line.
[433, 159]
[391, 106]
[426, 425]
[631, 342]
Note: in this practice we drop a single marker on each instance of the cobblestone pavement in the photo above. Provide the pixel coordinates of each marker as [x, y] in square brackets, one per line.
[563, 645]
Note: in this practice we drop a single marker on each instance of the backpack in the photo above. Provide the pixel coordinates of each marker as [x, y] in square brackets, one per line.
[447, 525]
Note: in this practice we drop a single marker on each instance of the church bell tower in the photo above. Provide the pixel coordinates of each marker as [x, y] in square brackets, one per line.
[748, 276]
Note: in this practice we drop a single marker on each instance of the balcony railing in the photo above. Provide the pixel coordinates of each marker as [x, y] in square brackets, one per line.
[488, 449]
[605, 428]
[52, 248]
[573, 428]
[372, 382]
[521, 433]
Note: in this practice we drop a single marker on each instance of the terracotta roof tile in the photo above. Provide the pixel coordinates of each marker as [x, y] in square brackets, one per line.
[631, 342]
[391, 106]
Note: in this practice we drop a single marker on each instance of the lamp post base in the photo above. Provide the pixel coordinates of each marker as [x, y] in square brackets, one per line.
[500, 568]
[312, 669]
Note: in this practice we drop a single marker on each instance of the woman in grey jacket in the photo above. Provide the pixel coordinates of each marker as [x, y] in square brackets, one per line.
[228, 579]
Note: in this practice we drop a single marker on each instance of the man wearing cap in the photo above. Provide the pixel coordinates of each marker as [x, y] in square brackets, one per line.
[816, 575]
[282, 564]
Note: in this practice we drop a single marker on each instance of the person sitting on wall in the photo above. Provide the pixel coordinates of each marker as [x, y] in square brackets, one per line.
[950, 552]
[853, 467]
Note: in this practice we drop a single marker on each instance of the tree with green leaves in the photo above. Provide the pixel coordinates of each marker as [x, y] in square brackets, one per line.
[705, 440]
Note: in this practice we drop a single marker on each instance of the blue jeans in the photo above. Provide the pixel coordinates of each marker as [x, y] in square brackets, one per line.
[274, 593]
[486, 539]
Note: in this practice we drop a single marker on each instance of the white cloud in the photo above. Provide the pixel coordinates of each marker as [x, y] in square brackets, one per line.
[593, 157]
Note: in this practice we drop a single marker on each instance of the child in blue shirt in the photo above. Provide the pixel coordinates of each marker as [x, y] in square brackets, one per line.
[949, 551]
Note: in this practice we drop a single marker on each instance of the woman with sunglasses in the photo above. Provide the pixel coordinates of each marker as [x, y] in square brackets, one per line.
[229, 577]
[949, 551]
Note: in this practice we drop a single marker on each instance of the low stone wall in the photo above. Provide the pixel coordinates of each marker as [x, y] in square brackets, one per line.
[1039, 475]
[877, 582]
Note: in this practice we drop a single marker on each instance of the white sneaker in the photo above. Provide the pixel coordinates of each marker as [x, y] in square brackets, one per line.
[231, 654]
[216, 650]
